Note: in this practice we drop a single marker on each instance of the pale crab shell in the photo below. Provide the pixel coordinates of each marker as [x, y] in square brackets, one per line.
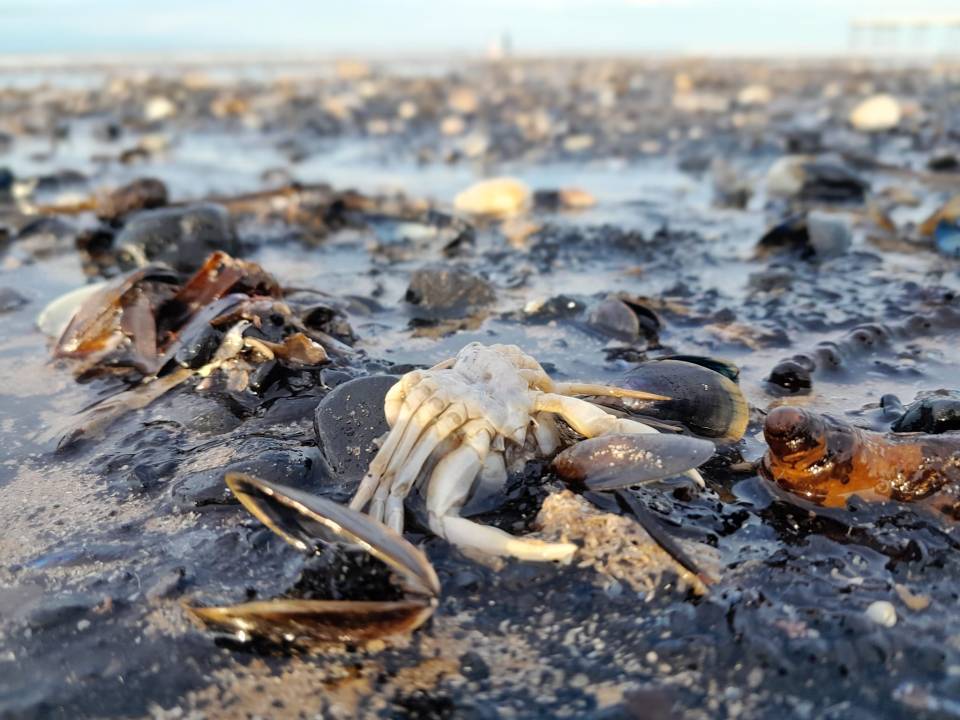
[453, 424]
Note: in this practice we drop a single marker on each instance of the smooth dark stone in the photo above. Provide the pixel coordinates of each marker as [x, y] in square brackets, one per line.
[167, 585]
[348, 421]
[11, 300]
[141, 194]
[930, 415]
[180, 237]
[443, 292]
[60, 609]
[791, 376]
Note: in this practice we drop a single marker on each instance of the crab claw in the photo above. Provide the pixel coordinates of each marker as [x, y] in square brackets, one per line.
[307, 521]
[620, 460]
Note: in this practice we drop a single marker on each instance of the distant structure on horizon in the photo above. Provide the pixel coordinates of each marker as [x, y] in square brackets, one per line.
[906, 35]
[500, 48]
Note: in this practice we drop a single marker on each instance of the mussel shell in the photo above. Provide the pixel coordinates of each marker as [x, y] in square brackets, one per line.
[703, 401]
[324, 621]
[790, 377]
[622, 459]
[728, 368]
[306, 521]
[930, 415]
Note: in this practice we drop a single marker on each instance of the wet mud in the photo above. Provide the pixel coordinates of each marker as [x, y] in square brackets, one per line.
[105, 540]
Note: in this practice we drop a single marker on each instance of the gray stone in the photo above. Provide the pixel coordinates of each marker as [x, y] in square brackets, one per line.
[445, 292]
[180, 237]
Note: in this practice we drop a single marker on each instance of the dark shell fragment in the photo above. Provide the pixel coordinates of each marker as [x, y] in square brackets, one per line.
[317, 621]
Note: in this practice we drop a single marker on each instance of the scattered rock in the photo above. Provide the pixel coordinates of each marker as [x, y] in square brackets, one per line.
[10, 300]
[613, 317]
[473, 667]
[829, 234]
[815, 179]
[168, 585]
[181, 237]
[453, 125]
[446, 292]
[792, 377]
[560, 307]
[878, 113]
[930, 415]
[497, 197]
[730, 188]
[817, 234]
[141, 194]
[770, 280]
[577, 143]
[755, 94]
[564, 199]
[882, 613]
[943, 162]
[790, 235]
[463, 100]
[59, 610]
[159, 108]
[44, 237]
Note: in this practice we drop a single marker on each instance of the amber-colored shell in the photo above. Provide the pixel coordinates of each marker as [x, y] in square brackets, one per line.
[825, 460]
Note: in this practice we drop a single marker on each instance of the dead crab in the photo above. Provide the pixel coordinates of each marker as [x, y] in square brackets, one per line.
[465, 420]
[470, 418]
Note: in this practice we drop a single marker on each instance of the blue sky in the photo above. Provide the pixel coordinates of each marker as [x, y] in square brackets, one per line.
[438, 26]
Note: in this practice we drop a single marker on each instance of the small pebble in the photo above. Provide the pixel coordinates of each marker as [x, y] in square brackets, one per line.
[497, 197]
[876, 114]
[882, 613]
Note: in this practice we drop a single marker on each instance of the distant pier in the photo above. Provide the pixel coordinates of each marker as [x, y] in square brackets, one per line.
[907, 35]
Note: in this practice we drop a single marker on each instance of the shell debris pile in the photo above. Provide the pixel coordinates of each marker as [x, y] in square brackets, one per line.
[616, 546]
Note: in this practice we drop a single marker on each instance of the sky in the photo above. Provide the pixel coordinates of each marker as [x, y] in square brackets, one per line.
[408, 27]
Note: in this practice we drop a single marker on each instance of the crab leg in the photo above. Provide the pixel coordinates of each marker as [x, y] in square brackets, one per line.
[590, 421]
[393, 402]
[399, 434]
[586, 418]
[391, 506]
[448, 488]
[546, 432]
[410, 437]
[571, 388]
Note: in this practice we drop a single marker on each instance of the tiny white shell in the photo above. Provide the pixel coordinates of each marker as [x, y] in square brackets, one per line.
[882, 613]
[55, 317]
